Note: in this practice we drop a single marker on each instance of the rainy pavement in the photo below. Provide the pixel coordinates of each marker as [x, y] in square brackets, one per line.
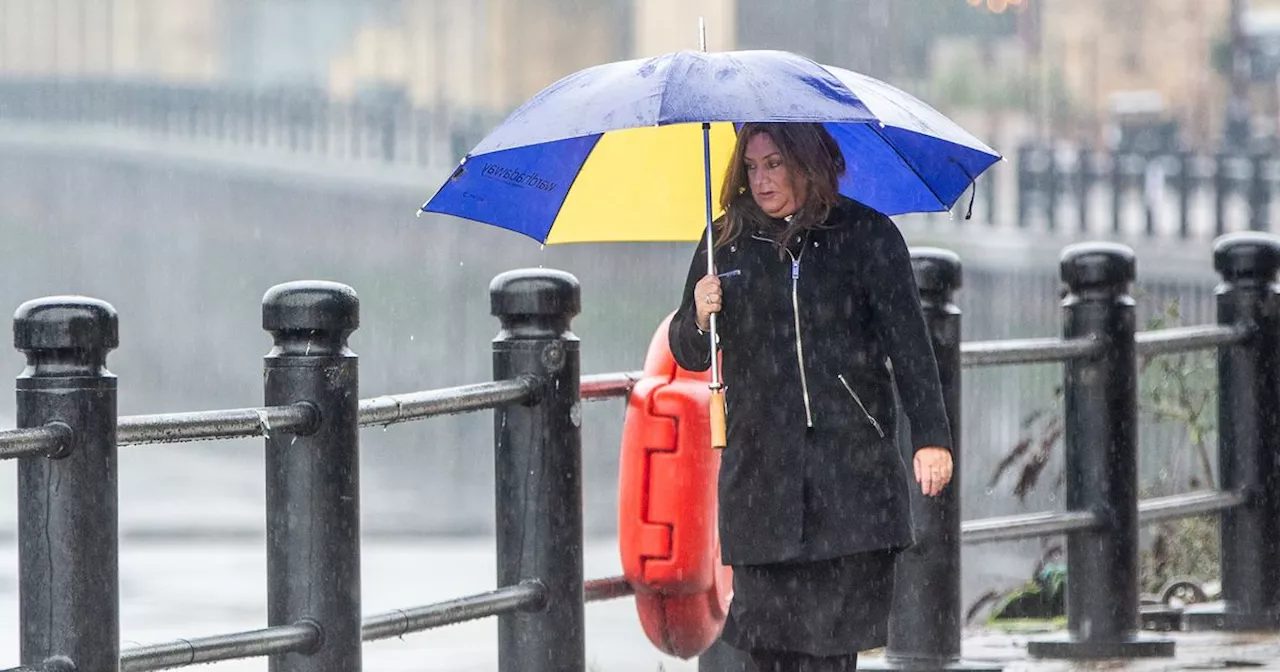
[1194, 651]
[183, 589]
[193, 564]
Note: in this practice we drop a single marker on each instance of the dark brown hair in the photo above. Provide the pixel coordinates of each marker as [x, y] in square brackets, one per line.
[814, 162]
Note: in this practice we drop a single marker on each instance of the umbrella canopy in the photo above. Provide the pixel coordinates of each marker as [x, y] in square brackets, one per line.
[614, 153]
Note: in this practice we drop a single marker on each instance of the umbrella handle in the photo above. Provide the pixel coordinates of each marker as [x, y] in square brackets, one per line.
[717, 419]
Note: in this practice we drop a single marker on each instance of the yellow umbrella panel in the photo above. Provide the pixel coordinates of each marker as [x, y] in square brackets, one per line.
[644, 185]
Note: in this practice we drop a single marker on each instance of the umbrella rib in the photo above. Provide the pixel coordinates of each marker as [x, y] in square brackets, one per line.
[875, 127]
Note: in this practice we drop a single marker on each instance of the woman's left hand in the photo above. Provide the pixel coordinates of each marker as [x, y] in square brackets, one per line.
[933, 470]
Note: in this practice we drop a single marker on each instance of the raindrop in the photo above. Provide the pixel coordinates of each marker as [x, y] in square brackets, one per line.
[991, 491]
[411, 337]
[460, 263]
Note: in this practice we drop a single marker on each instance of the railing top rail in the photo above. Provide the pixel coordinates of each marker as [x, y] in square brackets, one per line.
[32, 441]
[1025, 526]
[523, 596]
[1186, 339]
[230, 424]
[398, 408]
[608, 385]
[1043, 524]
[1026, 351]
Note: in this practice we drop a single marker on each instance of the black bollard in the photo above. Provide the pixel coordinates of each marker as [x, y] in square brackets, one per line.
[1101, 462]
[925, 625]
[68, 533]
[1248, 437]
[538, 469]
[313, 479]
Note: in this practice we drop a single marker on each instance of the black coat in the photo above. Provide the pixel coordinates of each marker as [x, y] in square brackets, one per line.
[812, 469]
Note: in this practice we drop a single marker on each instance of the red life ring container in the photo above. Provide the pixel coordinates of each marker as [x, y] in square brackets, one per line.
[667, 524]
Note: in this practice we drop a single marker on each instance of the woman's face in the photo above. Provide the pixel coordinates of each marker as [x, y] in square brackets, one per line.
[769, 177]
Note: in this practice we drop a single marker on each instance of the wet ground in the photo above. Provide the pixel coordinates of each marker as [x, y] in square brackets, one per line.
[1193, 651]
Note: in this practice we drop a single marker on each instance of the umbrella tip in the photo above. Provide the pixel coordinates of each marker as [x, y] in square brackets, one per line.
[702, 33]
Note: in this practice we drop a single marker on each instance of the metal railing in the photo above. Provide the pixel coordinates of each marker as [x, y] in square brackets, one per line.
[373, 129]
[310, 424]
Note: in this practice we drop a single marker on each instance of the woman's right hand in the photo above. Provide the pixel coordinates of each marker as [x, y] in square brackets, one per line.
[706, 299]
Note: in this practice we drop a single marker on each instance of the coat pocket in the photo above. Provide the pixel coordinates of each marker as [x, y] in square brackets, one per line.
[862, 406]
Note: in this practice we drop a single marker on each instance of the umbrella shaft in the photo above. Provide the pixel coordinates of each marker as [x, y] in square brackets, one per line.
[711, 266]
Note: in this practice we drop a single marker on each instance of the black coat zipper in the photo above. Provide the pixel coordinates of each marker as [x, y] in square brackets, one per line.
[856, 398]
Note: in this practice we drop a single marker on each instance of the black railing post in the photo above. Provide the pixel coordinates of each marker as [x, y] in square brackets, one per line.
[538, 469]
[1248, 436]
[1101, 462]
[312, 479]
[68, 533]
[925, 625]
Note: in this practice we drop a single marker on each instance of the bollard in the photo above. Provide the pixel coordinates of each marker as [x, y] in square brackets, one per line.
[1248, 428]
[1101, 462]
[925, 624]
[68, 537]
[312, 479]
[538, 469]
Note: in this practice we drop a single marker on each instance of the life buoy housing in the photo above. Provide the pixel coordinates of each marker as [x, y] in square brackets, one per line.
[667, 526]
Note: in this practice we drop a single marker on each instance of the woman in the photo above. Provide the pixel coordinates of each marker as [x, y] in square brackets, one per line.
[820, 319]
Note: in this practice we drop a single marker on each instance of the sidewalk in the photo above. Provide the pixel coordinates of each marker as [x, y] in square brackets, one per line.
[1194, 651]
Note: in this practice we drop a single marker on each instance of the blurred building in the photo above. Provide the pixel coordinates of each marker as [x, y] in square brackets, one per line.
[1085, 68]
[1161, 66]
[122, 38]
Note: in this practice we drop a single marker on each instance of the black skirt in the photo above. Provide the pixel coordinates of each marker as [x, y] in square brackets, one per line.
[830, 607]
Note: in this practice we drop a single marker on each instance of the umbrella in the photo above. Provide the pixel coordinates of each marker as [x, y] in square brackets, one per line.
[632, 151]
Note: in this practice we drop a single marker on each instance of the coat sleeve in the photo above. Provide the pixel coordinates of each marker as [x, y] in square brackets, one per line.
[901, 328]
[690, 347]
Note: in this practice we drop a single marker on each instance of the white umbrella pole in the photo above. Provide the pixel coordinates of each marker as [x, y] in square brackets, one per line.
[717, 390]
